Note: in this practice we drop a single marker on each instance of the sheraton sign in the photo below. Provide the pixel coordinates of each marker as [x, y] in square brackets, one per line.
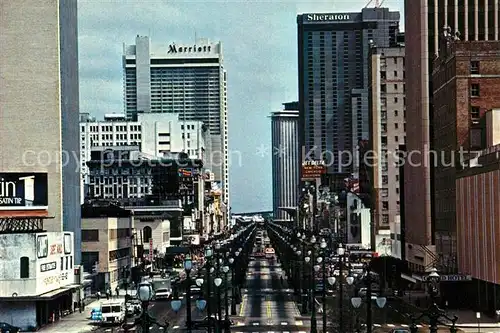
[328, 17]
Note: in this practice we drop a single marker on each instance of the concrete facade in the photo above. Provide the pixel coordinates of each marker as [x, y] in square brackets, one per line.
[49, 263]
[466, 84]
[111, 238]
[285, 150]
[387, 130]
[49, 27]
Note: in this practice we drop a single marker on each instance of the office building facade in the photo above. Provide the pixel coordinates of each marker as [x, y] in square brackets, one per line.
[285, 150]
[189, 80]
[387, 130]
[154, 134]
[333, 77]
[39, 129]
[469, 20]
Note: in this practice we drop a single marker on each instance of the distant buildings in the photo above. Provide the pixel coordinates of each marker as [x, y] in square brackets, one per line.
[285, 154]
[186, 79]
[39, 204]
[333, 81]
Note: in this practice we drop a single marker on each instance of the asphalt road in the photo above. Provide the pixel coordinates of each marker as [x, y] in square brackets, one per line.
[267, 305]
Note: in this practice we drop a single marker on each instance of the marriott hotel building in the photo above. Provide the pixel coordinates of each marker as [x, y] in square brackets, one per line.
[333, 78]
[186, 79]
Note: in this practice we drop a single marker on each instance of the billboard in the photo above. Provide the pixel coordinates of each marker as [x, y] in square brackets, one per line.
[312, 170]
[22, 191]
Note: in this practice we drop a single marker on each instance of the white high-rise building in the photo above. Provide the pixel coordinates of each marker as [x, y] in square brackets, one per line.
[187, 79]
[284, 136]
[155, 134]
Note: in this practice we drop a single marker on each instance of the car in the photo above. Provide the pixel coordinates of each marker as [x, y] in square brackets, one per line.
[400, 330]
[133, 307]
[8, 328]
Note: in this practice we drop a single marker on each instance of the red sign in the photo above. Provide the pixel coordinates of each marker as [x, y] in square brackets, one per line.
[55, 248]
[151, 249]
[312, 170]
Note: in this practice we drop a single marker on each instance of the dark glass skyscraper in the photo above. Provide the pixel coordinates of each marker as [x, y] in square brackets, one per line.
[333, 81]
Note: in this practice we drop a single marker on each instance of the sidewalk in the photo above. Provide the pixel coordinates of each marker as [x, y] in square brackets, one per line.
[80, 322]
[74, 323]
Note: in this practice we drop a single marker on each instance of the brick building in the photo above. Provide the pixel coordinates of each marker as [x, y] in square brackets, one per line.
[478, 224]
[466, 84]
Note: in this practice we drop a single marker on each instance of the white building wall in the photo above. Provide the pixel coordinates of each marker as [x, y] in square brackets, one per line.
[50, 263]
[285, 171]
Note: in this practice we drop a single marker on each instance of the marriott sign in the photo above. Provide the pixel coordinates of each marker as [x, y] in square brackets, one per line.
[328, 17]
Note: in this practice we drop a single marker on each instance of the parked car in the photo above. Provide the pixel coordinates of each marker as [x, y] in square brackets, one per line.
[8, 328]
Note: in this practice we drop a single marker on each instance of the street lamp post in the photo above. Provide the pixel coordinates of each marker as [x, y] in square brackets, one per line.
[357, 301]
[233, 285]
[314, 269]
[218, 282]
[225, 269]
[208, 256]
[434, 313]
[145, 293]
[332, 280]
[188, 265]
[323, 268]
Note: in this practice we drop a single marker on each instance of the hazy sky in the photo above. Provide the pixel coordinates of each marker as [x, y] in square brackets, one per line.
[260, 54]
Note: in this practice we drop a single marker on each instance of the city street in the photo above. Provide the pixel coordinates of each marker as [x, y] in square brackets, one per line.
[267, 306]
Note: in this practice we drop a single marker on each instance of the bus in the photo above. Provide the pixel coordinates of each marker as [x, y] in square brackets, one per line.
[270, 254]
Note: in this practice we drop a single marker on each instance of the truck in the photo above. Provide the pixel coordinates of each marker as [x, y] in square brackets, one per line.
[113, 311]
[162, 287]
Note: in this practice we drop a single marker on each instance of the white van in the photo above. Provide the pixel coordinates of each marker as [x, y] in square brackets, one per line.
[113, 311]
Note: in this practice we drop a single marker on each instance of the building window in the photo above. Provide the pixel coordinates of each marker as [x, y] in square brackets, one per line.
[474, 90]
[396, 125]
[42, 246]
[385, 180]
[475, 112]
[147, 233]
[385, 219]
[62, 263]
[385, 193]
[25, 268]
[385, 205]
[474, 67]
[91, 235]
[395, 73]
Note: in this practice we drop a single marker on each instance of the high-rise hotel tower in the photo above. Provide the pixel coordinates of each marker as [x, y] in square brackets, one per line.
[187, 79]
[333, 80]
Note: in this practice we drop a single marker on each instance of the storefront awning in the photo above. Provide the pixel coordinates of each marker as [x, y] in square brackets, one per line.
[43, 297]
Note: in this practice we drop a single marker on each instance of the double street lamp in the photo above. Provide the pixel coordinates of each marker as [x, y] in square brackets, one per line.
[332, 280]
[357, 301]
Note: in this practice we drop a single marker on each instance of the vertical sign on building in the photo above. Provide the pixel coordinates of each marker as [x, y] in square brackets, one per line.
[151, 250]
